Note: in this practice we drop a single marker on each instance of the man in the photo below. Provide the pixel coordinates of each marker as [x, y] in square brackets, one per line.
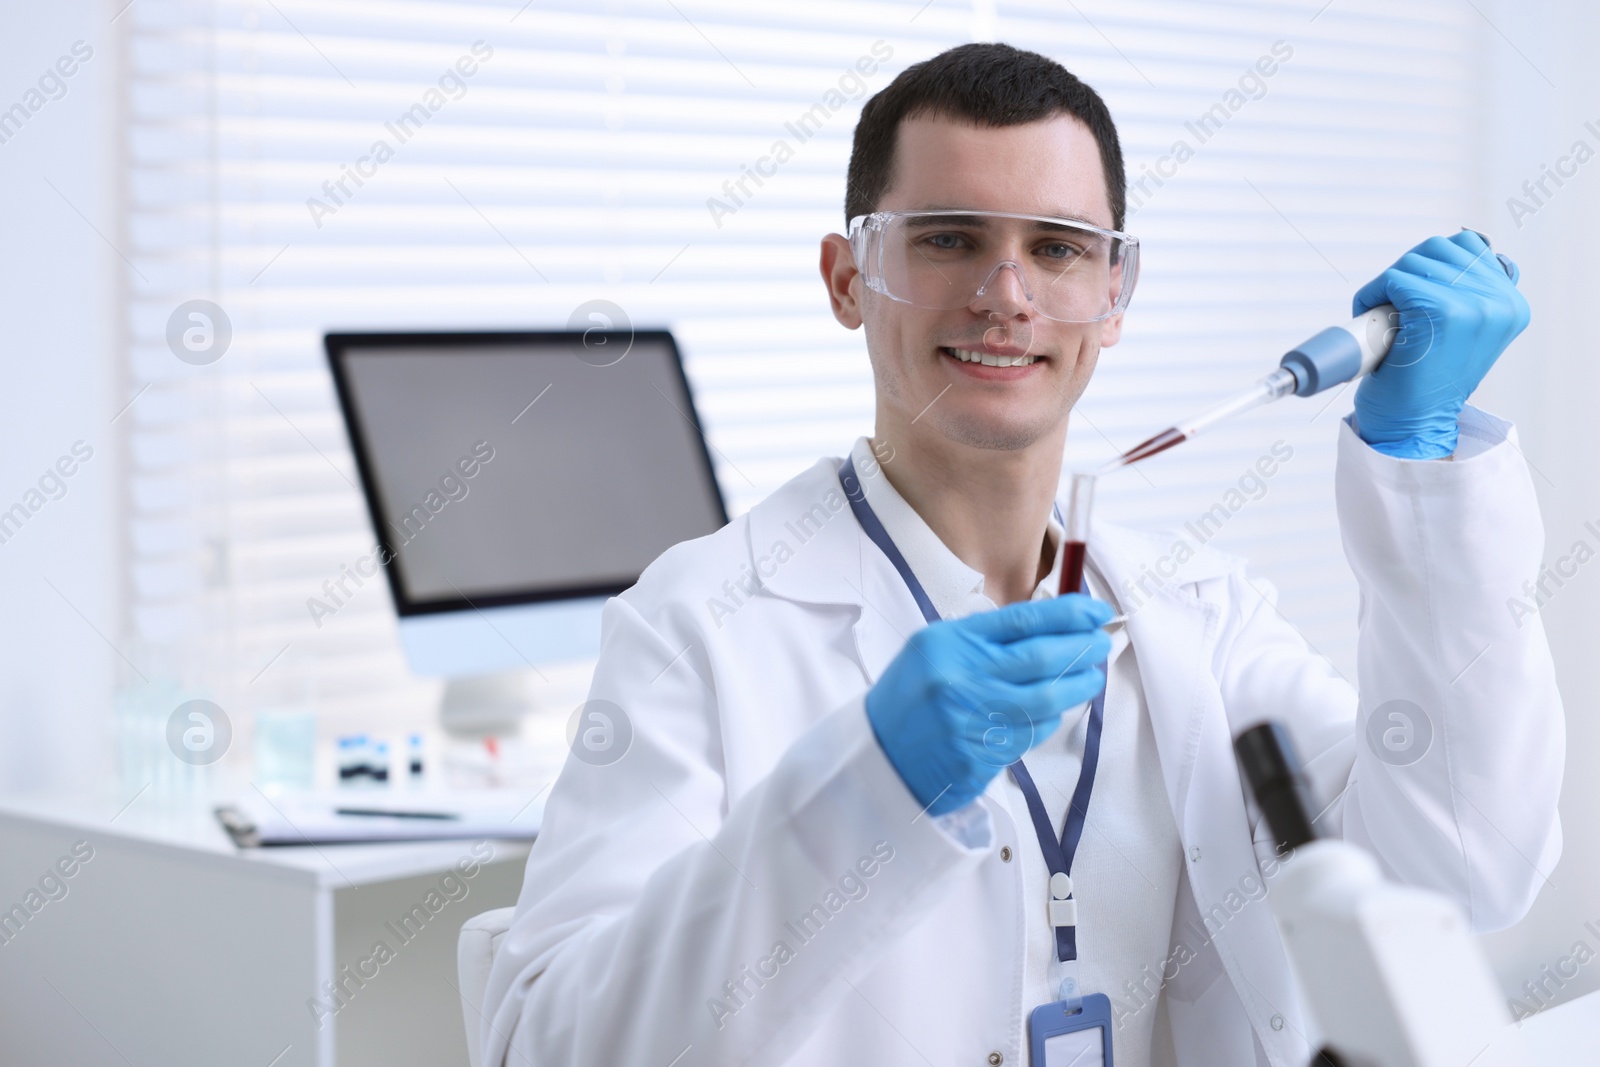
[812, 852]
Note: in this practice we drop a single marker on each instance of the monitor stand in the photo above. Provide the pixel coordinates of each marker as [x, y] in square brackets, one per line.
[486, 705]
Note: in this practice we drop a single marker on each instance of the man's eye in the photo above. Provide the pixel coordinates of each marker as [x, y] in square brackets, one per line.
[1060, 251]
[946, 242]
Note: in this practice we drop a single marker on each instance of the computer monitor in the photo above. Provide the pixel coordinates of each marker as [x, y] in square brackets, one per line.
[517, 480]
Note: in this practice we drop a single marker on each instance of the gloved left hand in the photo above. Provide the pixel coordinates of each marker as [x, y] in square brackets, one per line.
[1458, 311]
[967, 697]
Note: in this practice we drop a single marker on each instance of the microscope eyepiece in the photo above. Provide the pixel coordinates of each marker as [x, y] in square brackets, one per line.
[1268, 760]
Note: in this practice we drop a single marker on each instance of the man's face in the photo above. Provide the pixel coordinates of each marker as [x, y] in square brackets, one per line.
[1051, 167]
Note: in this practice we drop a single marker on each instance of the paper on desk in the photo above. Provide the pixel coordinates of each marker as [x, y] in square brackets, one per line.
[313, 818]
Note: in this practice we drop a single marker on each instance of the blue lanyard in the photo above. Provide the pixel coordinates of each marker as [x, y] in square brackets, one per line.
[1058, 854]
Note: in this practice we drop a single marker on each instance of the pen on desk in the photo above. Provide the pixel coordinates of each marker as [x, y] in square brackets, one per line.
[397, 814]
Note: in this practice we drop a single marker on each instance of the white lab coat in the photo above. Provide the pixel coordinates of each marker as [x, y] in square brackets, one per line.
[708, 896]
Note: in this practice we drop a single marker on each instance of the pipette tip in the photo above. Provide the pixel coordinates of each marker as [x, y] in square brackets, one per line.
[1147, 448]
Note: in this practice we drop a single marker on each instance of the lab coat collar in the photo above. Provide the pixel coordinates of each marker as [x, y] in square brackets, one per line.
[807, 546]
[954, 587]
[946, 578]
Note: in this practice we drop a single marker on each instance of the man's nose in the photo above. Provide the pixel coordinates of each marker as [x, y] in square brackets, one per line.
[1005, 291]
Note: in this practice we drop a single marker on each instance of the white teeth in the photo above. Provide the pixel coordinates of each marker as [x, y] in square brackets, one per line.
[988, 360]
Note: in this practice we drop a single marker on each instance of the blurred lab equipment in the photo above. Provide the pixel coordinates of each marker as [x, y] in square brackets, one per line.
[285, 747]
[1391, 972]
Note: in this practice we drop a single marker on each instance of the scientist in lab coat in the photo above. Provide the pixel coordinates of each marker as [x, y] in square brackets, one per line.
[790, 844]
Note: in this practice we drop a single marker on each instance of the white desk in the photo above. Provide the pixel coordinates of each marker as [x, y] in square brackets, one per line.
[97, 977]
[1565, 1035]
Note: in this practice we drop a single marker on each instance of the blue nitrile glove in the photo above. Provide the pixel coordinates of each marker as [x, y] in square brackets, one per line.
[966, 697]
[1458, 312]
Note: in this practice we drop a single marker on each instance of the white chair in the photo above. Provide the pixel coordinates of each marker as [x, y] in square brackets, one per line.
[475, 949]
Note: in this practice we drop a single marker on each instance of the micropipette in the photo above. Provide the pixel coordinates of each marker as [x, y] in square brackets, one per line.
[1336, 355]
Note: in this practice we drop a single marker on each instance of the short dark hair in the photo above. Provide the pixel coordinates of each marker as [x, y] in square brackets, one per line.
[988, 84]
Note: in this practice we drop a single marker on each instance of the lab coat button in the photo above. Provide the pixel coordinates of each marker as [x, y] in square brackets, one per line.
[1194, 854]
[1277, 1022]
[995, 1059]
[1005, 853]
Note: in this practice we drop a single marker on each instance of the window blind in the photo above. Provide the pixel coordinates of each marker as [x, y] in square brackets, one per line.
[430, 165]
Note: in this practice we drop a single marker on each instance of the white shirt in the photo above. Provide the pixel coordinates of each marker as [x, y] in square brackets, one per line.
[1125, 873]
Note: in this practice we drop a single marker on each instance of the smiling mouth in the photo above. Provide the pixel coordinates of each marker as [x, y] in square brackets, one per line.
[989, 359]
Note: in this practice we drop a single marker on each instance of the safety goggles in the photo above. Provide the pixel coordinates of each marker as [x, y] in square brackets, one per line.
[1069, 271]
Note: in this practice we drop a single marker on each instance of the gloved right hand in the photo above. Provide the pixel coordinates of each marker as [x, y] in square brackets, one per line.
[1458, 312]
[967, 697]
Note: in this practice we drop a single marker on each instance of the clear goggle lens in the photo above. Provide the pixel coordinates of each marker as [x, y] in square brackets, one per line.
[1067, 271]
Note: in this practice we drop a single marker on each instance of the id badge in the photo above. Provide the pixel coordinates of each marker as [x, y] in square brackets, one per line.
[1057, 1038]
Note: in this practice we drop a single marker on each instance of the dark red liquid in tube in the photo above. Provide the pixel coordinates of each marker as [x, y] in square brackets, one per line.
[1159, 443]
[1072, 556]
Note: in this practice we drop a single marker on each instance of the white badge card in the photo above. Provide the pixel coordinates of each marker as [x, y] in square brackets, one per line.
[1058, 1037]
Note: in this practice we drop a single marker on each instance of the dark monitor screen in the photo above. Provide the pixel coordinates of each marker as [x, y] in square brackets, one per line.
[508, 468]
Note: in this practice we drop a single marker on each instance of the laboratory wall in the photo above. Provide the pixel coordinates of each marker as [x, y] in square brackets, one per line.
[1541, 99]
[59, 270]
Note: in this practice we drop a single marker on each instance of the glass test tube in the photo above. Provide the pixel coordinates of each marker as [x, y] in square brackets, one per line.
[1080, 502]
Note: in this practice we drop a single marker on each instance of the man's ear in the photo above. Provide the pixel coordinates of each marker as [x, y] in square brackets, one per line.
[1111, 330]
[839, 274]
